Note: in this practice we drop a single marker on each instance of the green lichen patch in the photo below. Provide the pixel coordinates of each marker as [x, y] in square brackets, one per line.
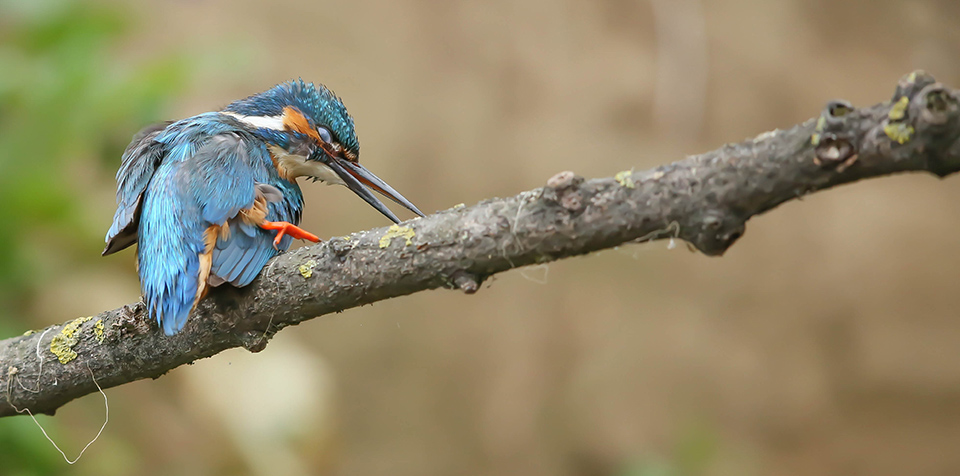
[306, 269]
[30, 332]
[397, 231]
[62, 344]
[899, 132]
[625, 179]
[815, 139]
[98, 330]
[899, 110]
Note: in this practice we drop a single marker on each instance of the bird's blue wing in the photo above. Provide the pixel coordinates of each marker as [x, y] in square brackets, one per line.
[240, 254]
[169, 249]
[222, 176]
[239, 258]
[139, 162]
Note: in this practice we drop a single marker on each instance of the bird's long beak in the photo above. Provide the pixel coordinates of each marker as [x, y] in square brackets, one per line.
[357, 178]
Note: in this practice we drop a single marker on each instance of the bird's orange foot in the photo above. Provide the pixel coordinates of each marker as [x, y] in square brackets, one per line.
[285, 228]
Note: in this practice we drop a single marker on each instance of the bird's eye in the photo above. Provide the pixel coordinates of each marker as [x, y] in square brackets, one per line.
[325, 134]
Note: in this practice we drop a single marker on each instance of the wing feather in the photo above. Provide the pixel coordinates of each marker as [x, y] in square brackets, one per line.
[138, 164]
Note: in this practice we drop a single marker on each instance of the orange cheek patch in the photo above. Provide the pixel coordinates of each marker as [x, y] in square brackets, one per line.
[294, 120]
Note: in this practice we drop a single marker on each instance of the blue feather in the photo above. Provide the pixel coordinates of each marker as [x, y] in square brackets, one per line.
[139, 162]
[168, 251]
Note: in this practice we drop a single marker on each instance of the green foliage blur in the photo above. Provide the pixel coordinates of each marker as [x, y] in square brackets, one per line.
[68, 107]
[694, 451]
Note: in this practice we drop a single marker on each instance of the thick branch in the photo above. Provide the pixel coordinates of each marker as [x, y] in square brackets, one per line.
[704, 200]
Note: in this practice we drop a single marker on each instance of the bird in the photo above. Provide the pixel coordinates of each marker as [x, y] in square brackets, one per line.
[211, 198]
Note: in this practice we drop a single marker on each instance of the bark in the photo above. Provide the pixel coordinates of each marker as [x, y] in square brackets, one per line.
[704, 200]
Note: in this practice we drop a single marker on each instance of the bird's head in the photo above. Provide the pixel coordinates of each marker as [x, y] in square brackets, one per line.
[310, 134]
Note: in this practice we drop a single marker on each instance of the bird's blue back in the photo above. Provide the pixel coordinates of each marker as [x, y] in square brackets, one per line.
[176, 183]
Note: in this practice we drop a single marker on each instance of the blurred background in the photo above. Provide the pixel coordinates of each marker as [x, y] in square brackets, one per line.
[825, 342]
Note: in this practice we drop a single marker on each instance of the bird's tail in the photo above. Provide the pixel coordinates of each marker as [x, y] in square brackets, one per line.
[172, 255]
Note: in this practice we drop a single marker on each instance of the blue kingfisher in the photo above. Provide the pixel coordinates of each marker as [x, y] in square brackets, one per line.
[211, 198]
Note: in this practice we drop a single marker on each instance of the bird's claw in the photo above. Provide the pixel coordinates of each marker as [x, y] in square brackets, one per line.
[286, 228]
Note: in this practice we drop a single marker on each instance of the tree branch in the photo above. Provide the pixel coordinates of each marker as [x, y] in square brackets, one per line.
[704, 200]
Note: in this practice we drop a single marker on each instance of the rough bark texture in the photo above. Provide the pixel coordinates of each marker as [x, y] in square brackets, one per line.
[704, 200]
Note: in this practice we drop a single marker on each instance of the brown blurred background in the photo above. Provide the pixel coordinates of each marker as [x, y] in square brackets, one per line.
[826, 342]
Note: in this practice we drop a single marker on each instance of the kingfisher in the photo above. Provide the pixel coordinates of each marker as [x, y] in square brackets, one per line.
[211, 198]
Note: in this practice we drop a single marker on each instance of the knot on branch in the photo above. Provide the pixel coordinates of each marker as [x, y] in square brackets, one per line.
[133, 319]
[718, 231]
[564, 180]
[466, 281]
[935, 108]
[834, 141]
[254, 341]
[341, 247]
[923, 113]
[563, 188]
[911, 84]
[936, 111]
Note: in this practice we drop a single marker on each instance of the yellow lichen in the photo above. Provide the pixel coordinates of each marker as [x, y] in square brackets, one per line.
[98, 330]
[459, 206]
[815, 139]
[821, 123]
[899, 132]
[306, 269]
[625, 178]
[899, 109]
[31, 331]
[62, 344]
[397, 231]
